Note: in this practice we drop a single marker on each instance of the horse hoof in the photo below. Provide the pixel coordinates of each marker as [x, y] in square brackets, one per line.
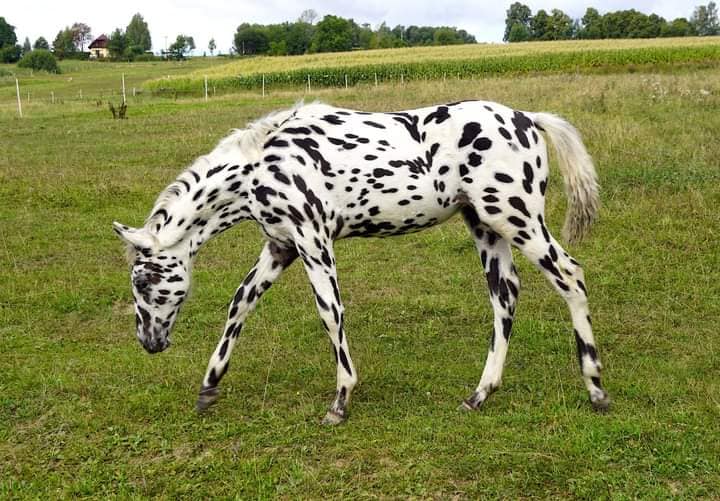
[333, 418]
[601, 404]
[474, 402]
[207, 397]
[466, 406]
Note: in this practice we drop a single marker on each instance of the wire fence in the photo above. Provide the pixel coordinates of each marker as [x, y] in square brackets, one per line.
[127, 91]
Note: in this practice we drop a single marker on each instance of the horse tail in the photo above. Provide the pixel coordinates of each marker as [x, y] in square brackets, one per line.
[578, 171]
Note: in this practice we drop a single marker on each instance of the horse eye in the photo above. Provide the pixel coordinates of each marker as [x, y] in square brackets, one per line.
[141, 284]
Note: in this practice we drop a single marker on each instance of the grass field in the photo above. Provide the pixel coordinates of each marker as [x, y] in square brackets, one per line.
[91, 80]
[85, 412]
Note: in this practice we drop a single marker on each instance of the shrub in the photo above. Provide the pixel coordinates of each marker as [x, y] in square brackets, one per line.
[76, 56]
[39, 60]
[144, 57]
[10, 54]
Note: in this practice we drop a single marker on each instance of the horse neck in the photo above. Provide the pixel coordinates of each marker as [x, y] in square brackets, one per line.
[205, 204]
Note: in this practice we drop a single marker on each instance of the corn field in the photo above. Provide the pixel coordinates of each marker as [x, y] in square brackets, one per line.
[436, 63]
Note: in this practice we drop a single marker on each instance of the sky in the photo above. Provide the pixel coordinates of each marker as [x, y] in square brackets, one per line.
[219, 20]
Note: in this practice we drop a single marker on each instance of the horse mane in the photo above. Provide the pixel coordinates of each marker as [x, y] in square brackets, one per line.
[249, 140]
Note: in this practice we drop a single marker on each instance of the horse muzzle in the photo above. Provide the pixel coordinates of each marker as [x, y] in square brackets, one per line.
[155, 344]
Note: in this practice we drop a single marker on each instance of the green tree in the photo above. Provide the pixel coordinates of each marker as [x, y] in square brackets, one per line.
[679, 27]
[182, 46]
[592, 25]
[560, 26]
[465, 36]
[7, 34]
[446, 36]
[117, 44]
[419, 35]
[211, 46]
[399, 34]
[10, 54]
[278, 48]
[138, 35]
[277, 38]
[299, 37]
[10, 51]
[26, 46]
[517, 14]
[251, 39]
[363, 36]
[617, 24]
[64, 44]
[519, 33]
[332, 34]
[384, 38]
[653, 26]
[41, 43]
[705, 20]
[539, 25]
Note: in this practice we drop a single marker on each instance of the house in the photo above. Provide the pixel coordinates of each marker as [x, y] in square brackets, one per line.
[99, 48]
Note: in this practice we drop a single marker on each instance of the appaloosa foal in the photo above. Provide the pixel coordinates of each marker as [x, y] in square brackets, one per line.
[313, 174]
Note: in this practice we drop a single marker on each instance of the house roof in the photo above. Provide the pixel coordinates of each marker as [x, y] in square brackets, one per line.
[100, 42]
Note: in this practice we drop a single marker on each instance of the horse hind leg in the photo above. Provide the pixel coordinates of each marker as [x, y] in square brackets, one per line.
[504, 286]
[567, 277]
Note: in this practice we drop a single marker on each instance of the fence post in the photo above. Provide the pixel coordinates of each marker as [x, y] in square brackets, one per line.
[308, 86]
[346, 84]
[52, 96]
[402, 79]
[375, 79]
[80, 94]
[17, 88]
[123, 87]
[133, 91]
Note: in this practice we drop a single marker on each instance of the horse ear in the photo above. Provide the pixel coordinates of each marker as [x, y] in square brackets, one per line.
[139, 238]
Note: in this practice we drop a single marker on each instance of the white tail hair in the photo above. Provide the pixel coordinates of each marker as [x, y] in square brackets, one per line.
[578, 171]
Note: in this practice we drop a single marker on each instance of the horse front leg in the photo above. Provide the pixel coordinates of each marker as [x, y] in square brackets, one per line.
[272, 261]
[319, 261]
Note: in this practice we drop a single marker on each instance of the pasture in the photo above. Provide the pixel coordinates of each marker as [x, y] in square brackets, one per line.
[85, 412]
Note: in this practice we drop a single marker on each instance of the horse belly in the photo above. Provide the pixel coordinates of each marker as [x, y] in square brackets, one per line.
[398, 213]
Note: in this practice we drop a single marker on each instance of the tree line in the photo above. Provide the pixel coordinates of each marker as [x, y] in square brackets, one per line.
[336, 34]
[521, 25]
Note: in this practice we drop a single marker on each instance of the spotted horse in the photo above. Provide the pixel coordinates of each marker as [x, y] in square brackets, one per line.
[314, 174]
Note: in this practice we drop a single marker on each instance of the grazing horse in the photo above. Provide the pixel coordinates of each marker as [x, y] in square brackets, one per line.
[314, 173]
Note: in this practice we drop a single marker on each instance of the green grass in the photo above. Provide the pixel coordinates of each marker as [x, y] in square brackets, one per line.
[91, 80]
[84, 412]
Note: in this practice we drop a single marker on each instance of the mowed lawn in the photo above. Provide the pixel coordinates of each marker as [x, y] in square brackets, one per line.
[85, 412]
